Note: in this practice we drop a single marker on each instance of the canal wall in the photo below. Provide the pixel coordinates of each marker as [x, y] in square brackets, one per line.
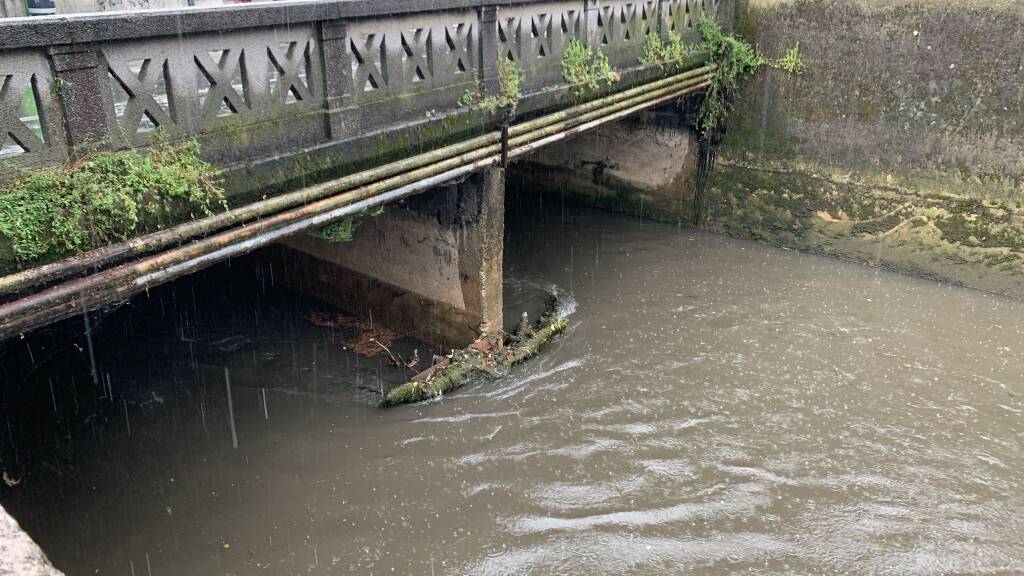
[902, 145]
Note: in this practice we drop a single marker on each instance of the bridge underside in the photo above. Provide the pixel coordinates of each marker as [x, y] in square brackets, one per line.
[644, 165]
[429, 267]
[97, 279]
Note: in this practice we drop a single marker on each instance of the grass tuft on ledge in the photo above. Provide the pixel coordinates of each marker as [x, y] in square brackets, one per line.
[104, 198]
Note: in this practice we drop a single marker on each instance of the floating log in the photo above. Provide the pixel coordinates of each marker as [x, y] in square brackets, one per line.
[471, 361]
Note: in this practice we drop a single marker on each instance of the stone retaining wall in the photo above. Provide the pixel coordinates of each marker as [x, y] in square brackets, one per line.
[901, 146]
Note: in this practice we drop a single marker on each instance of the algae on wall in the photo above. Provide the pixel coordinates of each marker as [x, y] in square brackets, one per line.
[977, 243]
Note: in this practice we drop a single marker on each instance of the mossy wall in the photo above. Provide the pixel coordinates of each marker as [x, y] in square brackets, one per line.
[923, 90]
[902, 144]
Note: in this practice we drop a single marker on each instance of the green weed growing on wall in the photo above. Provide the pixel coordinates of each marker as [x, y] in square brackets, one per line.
[791, 62]
[104, 198]
[343, 230]
[510, 80]
[667, 55]
[736, 60]
[586, 70]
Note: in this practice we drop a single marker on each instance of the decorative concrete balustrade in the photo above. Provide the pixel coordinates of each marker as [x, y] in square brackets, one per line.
[279, 90]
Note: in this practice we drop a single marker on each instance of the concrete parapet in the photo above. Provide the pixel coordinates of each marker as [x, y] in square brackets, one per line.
[298, 90]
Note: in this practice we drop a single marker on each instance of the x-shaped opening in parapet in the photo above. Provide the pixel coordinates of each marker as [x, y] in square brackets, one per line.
[415, 47]
[540, 31]
[13, 89]
[290, 62]
[220, 67]
[368, 57]
[508, 32]
[141, 88]
[457, 37]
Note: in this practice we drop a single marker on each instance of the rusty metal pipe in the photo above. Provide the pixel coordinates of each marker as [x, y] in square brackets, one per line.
[160, 276]
[144, 244]
[119, 283]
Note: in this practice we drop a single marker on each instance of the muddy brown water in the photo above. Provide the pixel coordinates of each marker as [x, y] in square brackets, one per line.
[717, 407]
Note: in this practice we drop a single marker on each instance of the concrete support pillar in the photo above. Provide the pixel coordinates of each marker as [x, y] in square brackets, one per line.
[488, 49]
[342, 121]
[76, 68]
[430, 267]
[482, 250]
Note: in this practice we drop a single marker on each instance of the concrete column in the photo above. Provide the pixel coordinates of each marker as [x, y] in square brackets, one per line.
[76, 69]
[488, 49]
[430, 267]
[482, 250]
[342, 121]
[591, 32]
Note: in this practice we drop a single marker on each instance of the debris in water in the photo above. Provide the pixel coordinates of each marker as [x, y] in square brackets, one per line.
[372, 338]
[523, 326]
[414, 361]
[485, 356]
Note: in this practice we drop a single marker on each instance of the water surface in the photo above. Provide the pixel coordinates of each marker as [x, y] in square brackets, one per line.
[716, 407]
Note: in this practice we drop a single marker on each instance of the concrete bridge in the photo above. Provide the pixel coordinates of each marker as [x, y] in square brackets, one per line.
[316, 111]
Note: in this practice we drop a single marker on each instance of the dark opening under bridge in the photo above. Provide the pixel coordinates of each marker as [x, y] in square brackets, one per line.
[316, 111]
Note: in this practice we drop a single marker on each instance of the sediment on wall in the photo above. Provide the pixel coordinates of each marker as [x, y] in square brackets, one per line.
[961, 239]
[867, 217]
